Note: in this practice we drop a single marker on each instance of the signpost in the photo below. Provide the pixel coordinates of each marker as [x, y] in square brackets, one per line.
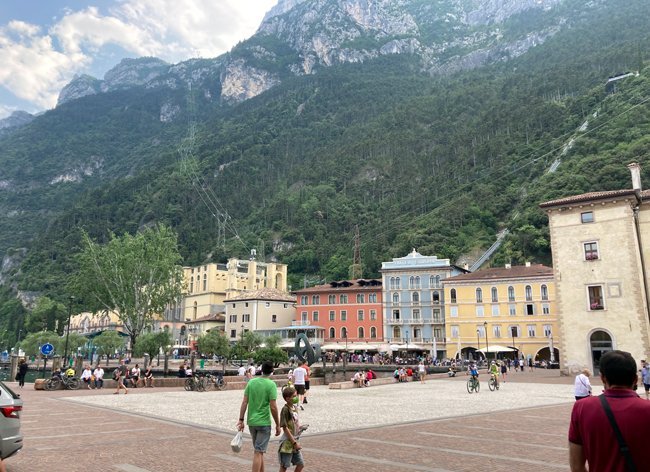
[46, 350]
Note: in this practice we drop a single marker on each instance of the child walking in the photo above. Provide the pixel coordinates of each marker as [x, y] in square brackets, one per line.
[289, 452]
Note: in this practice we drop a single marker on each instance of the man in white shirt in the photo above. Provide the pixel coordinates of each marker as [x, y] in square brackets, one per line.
[299, 375]
[98, 373]
[241, 371]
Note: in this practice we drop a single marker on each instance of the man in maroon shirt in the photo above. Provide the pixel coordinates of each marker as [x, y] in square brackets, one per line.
[591, 437]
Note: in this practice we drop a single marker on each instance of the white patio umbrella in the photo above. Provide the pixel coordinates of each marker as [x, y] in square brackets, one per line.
[496, 348]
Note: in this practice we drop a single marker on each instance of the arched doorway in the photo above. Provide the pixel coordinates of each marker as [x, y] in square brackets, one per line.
[600, 343]
[544, 354]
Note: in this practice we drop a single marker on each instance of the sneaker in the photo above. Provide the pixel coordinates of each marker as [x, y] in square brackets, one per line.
[305, 401]
[301, 407]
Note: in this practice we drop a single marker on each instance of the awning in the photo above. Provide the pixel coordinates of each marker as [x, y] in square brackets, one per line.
[333, 347]
[410, 347]
[180, 346]
[497, 348]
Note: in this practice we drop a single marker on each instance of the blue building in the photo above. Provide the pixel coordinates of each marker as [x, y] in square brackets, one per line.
[414, 305]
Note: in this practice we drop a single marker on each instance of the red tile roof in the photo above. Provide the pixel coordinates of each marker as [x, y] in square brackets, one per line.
[498, 273]
[264, 294]
[592, 196]
[344, 285]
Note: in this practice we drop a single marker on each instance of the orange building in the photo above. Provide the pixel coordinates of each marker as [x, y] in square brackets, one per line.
[350, 312]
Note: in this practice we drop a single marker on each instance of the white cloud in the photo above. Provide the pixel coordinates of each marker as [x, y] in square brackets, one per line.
[37, 64]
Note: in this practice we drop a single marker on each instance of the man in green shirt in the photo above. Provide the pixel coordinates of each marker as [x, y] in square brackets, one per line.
[260, 399]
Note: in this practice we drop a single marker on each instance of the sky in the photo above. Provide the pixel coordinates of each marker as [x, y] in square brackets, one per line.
[45, 43]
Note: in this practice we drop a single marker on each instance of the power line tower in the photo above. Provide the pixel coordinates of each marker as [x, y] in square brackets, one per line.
[356, 269]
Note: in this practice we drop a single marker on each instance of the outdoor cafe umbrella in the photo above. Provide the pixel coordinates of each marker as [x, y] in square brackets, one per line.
[496, 348]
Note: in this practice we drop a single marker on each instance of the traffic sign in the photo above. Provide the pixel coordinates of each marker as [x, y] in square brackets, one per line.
[47, 349]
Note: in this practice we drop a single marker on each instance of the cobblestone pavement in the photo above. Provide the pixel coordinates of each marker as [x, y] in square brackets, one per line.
[437, 426]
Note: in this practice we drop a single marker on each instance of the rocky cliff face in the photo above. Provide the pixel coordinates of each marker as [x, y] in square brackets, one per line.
[16, 120]
[299, 37]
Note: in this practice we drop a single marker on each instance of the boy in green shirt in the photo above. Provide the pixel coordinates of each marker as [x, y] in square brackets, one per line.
[289, 452]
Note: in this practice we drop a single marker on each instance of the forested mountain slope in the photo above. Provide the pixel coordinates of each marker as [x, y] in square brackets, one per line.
[438, 161]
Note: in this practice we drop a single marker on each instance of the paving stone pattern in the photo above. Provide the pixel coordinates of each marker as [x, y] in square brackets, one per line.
[437, 426]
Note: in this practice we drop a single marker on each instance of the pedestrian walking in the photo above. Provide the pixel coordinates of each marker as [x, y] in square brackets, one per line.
[422, 371]
[259, 406]
[604, 432]
[504, 371]
[299, 377]
[645, 378]
[120, 376]
[22, 372]
[290, 450]
[522, 365]
[582, 386]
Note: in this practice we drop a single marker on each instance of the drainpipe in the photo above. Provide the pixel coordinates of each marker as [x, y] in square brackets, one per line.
[636, 183]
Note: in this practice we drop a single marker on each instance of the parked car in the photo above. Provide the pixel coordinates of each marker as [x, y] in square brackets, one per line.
[11, 406]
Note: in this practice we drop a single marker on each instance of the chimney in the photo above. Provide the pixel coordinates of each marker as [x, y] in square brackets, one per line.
[527, 263]
[508, 266]
[466, 266]
[635, 170]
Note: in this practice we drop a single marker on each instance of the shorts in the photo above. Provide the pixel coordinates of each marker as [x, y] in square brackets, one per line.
[300, 389]
[288, 458]
[260, 436]
[647, 387]
[306, 384]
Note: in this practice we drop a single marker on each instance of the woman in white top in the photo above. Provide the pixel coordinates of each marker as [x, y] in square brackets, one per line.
[582, 385]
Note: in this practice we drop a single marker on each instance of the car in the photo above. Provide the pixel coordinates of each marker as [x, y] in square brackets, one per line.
[11, 407]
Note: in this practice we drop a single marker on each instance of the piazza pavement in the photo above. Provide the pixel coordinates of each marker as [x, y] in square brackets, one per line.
[436, 426]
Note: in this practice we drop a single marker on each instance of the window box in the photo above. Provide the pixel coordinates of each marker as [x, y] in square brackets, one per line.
[591, 257]
[596, 306]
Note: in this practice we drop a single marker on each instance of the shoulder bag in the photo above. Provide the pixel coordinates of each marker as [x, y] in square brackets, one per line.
[622, 445]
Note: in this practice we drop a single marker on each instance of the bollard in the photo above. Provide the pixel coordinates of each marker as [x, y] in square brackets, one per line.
[146, 362]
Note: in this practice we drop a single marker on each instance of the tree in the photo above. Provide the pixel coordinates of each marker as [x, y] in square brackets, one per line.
[135, 276]
[215, 342]
[47, 315]
[107, 343]
[33, 341]
[272, 354]
[152, 343]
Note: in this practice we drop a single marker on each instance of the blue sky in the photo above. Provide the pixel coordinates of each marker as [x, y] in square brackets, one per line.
[45, 43]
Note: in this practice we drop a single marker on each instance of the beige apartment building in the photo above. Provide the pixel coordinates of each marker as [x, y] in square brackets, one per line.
[260, 310]
[601, 251]
[210, 285]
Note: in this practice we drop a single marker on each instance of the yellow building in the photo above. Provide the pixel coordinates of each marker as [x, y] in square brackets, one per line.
[209, 286]
[260, 310]
[510, 310]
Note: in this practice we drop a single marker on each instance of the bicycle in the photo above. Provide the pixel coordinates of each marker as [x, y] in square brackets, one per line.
[194, 383]
[214, 382]
[69, 383]
[493, 383]
[473, 385]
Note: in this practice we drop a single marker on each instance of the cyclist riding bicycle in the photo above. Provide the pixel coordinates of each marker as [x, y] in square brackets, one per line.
[473, 370]
[494, 371]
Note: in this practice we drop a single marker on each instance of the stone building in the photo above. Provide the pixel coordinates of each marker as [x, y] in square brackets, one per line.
[601, 251]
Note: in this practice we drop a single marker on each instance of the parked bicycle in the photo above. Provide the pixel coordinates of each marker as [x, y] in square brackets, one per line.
[214, 382]
[68, 383]
[473, 385]
[194, 383]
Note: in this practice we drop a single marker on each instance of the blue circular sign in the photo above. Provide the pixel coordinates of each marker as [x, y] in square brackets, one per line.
[47, 349]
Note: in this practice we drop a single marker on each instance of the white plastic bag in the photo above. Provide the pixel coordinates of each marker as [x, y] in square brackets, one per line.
[236, 442]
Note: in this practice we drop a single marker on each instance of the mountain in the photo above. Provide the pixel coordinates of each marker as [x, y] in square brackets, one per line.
[14, 121]
[433, 125]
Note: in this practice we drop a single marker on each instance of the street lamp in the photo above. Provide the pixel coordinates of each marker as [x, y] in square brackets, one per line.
[345, 356]
[67, 334]
[407, 339]
[478, 342]
[512, 331]
[487, 344]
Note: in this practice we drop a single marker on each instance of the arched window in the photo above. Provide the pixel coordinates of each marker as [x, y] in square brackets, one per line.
[495, 295]
[511, 294]
[391, 285]
[192, 285]
[452, 294]
[479, 295]
[205, 282]
[435, 296]
[395, 297]
[529, 293]
[432, 281]
[396, 332]
[544, 292]
[332, 333]
[344, 332]
[416, 297]
[417, 282]
[373, 332]
[398, 283]
[411, 282]
[361, 333]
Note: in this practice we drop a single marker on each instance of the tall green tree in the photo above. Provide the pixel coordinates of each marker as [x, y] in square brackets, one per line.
[214, 342]
[47, 315]
[107, 343]
[152, 343]
[135, 276]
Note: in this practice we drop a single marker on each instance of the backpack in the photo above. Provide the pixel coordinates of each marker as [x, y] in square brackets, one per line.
[116, 374]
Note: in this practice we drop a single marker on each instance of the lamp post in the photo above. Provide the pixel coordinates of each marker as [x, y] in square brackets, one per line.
[478, 342]
[512, 331]
[345, 356]
[67, 333]
[487, 344]
[241, 361]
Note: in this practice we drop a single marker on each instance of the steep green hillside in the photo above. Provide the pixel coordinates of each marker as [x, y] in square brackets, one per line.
[440, 163]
